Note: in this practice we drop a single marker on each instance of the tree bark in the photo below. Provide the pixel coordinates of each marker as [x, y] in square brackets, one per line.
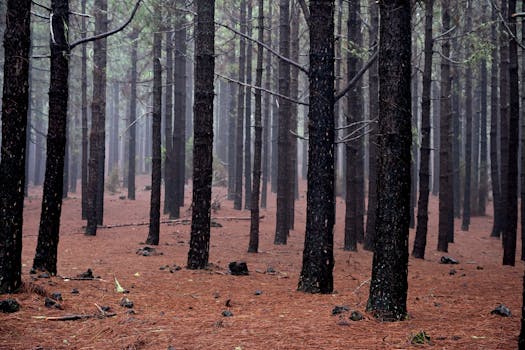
[49, 229]
[420, 240]
[483, 175]
[267, 117]
[237, 201]
[14, 123]
[84, 102]
[388, 285]
[132, 116]
[203, 134]
[169, 166]
[253, 246]
[435, 139]
[248, 112]
[318, 259]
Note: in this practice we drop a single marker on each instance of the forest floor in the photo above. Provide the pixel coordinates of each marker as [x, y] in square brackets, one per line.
[183, 308]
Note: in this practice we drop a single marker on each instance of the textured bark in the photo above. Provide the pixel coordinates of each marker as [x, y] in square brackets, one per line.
[267, 116]
[248, 112]
[156, 163]
[95, 203]
[420, 240]
[114, 130]
[522, 111]
[283, 166]
[49, 229]
[354, 224]
[446, 194]
[132, 140]
[257, 159]
[84, 106]
[169, 166]
[457, 134]
[483, 174]
[468, 139]
[388, 285]
[435, 140]
[494, 137]
[373, 84]
[415, 139]
[318, 259]
[202, 134]
[231, 140]
[511, 210]
[239, 149]
[14, 123]
[179, 114]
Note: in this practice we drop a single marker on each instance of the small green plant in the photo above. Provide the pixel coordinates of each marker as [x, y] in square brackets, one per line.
[420, 338]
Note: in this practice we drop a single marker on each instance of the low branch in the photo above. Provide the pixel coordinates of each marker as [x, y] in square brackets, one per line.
[356, 78]
[306, 11]
[39, 15]
[439, 36]
[262, 89]
[298, 135]
[42, 6]
[285, 59]
[105, 35]
[356, 123]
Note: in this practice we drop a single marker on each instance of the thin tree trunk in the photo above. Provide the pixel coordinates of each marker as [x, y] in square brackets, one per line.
[237, 201]
[522, 111]
[254, 224]
[84, 102]
[132, 116]
[231, 141]
[483, 177]
[49, 229]
[156, 163]
[318, 259]
[203, 134]
[468, 139]
[420, 240]
[283, 172]
[388, 284]
[435, 139]
[267, 115]
[248, 112]
[169, 166]
[14, 123]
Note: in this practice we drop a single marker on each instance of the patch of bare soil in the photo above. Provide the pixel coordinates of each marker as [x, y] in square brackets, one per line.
[212, 309]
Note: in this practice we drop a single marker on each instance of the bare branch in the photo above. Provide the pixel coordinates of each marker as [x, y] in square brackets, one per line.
[105, 35]
[306, 11]
[356, 123]
[41, 6]
[356, 78]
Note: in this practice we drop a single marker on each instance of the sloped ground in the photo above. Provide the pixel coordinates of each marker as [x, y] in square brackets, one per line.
[183, 308]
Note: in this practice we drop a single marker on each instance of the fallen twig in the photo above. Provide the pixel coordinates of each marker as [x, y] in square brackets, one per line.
[78, 317]
[185, 221]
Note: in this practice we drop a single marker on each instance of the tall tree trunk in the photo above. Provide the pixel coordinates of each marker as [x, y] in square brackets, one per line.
[318, 259]
[14, 123]
[468, 139]
[179, 114]
[248, 112]
[132, 116]
[435, 139]
[522, 111]
[420, 241]
[373, 85]
[156, 163]
[169, 166]
[483, 177]
[446, 194]
[203, 134]
[113, 144]
[231, 140]
[254, 224]
[415, 139]
[49, 229]
[267, 115]
[388, 285]
[456, 133]
[354, 225]
[40, 145]
[283, 170]
[95, 207]
[237, 201]
[511, 210]
[84, 102]
[494, 137]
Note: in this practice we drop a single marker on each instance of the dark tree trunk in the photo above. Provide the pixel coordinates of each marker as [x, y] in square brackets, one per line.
[483, 177]
[388, 285]
[179, 116]
[231, 141]
[84, 102]
[420, 241]
[237, 201]
[354, 225]
[435, 139]
[415, 139]
[248, 112]
[65, 168]
[522, 111]
[95, 207]
[373, 83]
[113, 144]
[494, 137]
[202, 134]
[511, 210]
[456, 134]
[318, 259]
[132, 116]
[446, 192]
[267, 117]
[74, 146]
[283, 165]
[169, 166]
[468, 127]
[49, 229]
[156, 163]
[14, 123]
[254, 226]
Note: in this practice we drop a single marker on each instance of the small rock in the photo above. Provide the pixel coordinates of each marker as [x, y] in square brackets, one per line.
[175, 268]
[9, 306]
[121, 197]
[448, 260]
[162, 268]
[105, 308]
[131, 312]
[48, 302]
[57, 296]
[227, 313]
[216, 295]
[479, 267]
[147, 251]
[171, 348]
[215, 224]
[74, 291]
[270, 269]
[356, 316]
[238, 268]
[501, 310]
[452, 272]
[258, 292]
[228, 303]
[340, 309]
[125, 302]
[87, 274]
[44, 275]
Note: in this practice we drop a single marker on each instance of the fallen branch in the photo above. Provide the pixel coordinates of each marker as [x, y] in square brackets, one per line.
[175, 222]
[78, 317]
